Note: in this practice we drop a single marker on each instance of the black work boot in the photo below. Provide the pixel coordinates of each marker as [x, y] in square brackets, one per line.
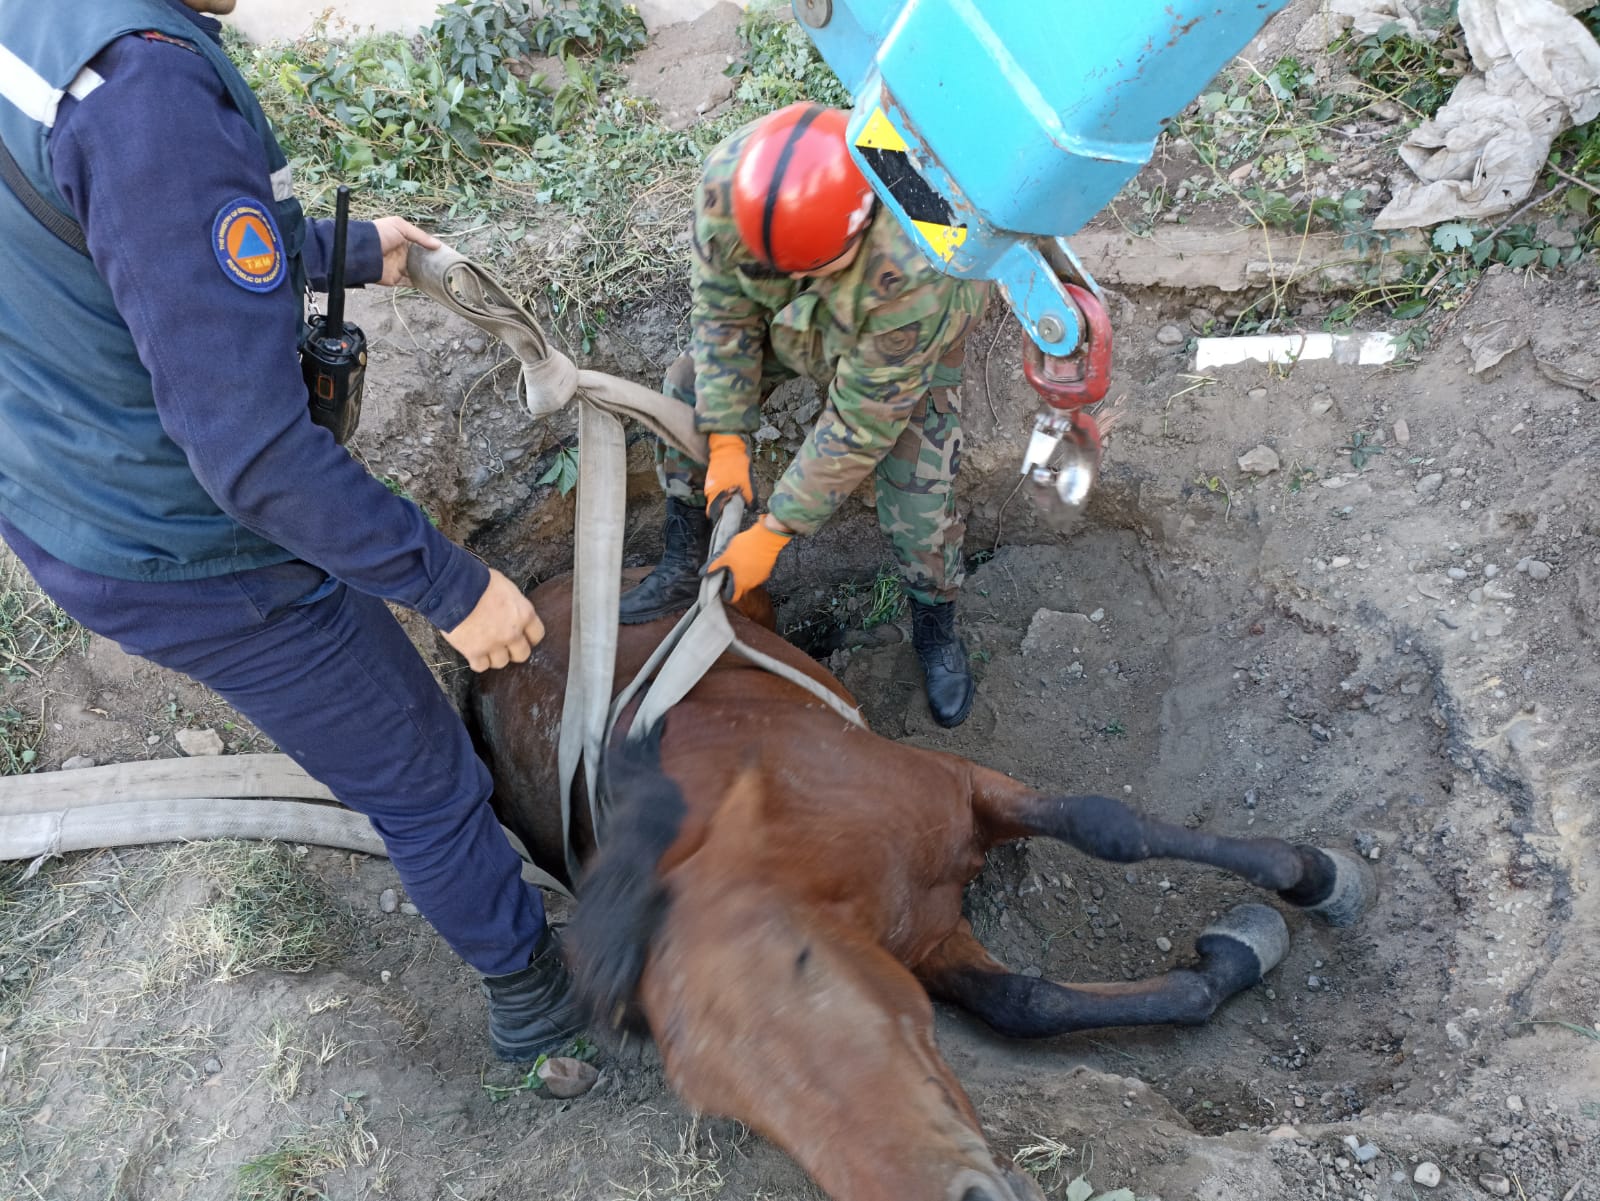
[535, 1011]
[945, 669]
[674, 584]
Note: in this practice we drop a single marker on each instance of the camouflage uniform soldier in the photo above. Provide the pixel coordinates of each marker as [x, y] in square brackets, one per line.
[797, 273]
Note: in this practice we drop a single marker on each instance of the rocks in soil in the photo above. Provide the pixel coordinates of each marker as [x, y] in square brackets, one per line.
[1428, 1175]
[1263, 460]
[77, 761]
[200, 742]
[1169, 335]
[1495, 1184]
[565, 1078]
[1052, 631]
[1402, 433]
[1430, 483]
[388, 900]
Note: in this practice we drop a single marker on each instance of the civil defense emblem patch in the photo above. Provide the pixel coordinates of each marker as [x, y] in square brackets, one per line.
[247, 245]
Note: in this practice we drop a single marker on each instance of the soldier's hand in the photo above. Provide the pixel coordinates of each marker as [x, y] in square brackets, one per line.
[728, 471]
[502, 627]
[749, 558]
[395, 235]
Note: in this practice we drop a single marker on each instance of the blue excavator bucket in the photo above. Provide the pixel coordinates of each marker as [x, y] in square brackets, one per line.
[995, 129]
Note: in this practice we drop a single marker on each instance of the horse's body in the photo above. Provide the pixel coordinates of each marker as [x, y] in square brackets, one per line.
[780, 903]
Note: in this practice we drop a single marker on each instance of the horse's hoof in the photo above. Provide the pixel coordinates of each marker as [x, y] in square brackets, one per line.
[1355, 887]
[1260, 929]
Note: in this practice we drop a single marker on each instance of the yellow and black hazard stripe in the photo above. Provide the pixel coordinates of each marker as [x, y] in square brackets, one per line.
[886, 153]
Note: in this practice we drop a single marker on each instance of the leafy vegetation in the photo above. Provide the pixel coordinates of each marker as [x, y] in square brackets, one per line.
[568, 184]
[1417, 73]
[1259, 134]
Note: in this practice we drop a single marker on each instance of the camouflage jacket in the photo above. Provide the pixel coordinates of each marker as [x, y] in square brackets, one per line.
[871, 335]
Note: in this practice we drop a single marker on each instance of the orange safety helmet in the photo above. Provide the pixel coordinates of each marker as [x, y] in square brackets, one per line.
[799, 200]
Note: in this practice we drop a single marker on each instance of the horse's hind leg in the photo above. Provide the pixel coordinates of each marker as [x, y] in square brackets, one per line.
[1334, 885]
[1235, 952]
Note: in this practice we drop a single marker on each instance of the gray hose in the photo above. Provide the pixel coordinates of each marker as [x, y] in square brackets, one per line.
[135, 823]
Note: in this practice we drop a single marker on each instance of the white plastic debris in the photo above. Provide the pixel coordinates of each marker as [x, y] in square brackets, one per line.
[1372, 349]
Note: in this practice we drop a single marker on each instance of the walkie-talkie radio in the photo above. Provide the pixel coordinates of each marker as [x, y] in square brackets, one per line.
[333, 358]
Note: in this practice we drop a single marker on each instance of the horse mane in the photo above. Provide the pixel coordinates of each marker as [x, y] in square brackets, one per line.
[622, 898]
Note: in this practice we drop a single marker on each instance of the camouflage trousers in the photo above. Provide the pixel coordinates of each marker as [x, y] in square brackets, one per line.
[915, 482]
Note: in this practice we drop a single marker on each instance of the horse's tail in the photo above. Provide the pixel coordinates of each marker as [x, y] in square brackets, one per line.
[622, 899]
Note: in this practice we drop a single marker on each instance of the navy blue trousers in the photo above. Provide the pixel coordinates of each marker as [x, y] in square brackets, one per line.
[329, 675]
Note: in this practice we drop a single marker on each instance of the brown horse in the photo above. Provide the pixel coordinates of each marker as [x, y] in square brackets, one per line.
[780, 893]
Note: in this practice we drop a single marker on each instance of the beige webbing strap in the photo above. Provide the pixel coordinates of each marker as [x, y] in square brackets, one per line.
[699, 639]
[549, 382]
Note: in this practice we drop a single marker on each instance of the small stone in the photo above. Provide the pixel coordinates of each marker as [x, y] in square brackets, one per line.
[1430, 484]
[1402, 432]
[1163, 945]
[212, 1066]
[1456, 1036]
[1538, 570]
[768, 433]
[1428, 1175]
[1258, 394]
[1250, 799]
[1491, 570]
[385, 976]
[1283, 1132]
[1321, 405]
[1476, 596]
[1314, 983]
[1514, 1103]
[1366, 1152]
[1500, 1136]
[1339, 561]
[1169, 335]
[476, 344]
[1097, 616]
[200, 742]
[410, 910]
[152, 740]
[1263, 460]
[1456, 573]
[1320, 732]
[77, 761]
[566, 1078]
[1493, 1182]
[388, 900]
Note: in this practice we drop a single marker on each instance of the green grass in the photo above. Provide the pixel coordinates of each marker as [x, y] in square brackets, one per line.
[291, 1170]
[34, 631]
[266, 913]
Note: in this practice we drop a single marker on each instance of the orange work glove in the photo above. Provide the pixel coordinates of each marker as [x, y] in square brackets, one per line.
[729, 471]
[749, 559]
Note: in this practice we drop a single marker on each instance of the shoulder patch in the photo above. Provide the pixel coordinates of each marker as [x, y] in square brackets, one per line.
[245, 239]
[897, 344]
[155, 35]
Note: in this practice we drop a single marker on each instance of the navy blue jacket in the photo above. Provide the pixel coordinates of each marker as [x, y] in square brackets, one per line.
[145, 162]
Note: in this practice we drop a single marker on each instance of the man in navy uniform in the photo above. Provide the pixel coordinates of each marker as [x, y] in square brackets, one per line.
[161, 477]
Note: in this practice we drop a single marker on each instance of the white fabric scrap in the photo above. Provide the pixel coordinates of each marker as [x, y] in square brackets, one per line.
[1481, 154]
[1361, 350]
